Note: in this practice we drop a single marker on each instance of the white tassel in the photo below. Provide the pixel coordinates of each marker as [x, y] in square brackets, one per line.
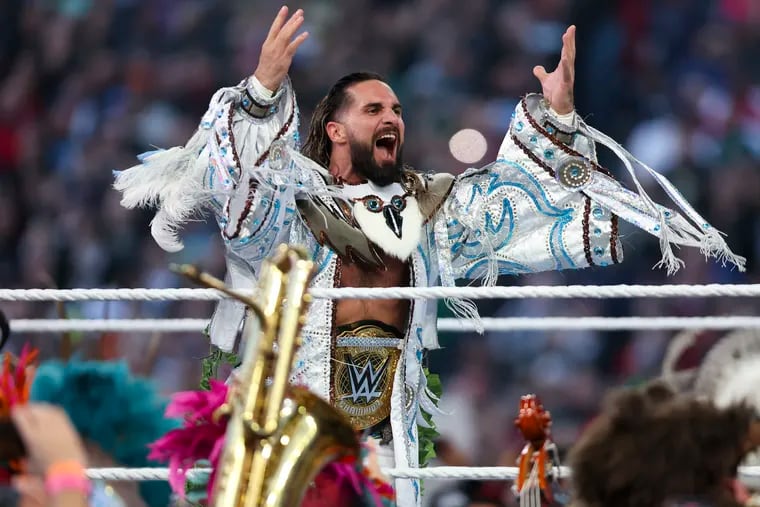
[429, 405]
[461, 308]
[713, 245]
[465, 309]
[669, 260]
[673, 229]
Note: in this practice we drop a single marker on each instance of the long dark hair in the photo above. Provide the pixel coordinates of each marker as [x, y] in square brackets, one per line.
[318, 145]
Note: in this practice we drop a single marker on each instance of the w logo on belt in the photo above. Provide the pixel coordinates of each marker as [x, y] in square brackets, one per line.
[362, 381]
[365, 381]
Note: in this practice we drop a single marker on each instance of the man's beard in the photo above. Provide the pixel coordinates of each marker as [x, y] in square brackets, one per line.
[364, 163]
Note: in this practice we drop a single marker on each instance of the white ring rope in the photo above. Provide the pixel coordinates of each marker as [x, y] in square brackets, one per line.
[521, 292]
[495, 324]
[749, 475]
[476, 473]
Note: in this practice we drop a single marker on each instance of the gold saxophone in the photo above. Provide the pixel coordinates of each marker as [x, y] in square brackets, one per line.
[278, 436]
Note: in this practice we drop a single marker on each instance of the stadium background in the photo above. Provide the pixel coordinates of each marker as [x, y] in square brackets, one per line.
[87, 85]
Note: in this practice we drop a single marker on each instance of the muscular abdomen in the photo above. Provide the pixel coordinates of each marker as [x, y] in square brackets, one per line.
[394, 312]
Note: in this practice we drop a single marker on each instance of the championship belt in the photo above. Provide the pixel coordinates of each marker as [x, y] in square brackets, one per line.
[366, 356]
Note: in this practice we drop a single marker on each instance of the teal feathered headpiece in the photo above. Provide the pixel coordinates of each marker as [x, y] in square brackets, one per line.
[110, 407]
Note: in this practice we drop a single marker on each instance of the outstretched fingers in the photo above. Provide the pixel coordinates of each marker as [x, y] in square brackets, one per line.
[567, 58]
[279, 48]
[293, 46]
[290, 28]
[571, 42]
[279, 20]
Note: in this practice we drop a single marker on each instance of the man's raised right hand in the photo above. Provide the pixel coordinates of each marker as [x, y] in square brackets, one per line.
[278, 49]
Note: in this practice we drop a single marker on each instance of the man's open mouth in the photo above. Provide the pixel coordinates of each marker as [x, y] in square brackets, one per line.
[386, 146]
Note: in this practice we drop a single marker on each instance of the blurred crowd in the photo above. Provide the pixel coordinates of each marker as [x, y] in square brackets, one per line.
[86, 85]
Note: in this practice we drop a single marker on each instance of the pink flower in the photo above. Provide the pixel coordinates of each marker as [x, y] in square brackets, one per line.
[200, 438]
[360, 481]
[198, 405]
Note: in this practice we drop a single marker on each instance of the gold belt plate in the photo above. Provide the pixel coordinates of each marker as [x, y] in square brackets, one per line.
[364, 367]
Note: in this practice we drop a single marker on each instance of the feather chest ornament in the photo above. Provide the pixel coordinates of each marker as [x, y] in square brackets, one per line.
[389, 216]
[362, 222]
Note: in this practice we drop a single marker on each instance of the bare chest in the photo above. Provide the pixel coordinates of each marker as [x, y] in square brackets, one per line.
[394, 273]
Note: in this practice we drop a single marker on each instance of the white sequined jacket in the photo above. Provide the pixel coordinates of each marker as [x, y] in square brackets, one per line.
[544, 204]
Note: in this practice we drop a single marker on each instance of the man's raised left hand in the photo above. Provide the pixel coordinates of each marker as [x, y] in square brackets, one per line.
[558, 85]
